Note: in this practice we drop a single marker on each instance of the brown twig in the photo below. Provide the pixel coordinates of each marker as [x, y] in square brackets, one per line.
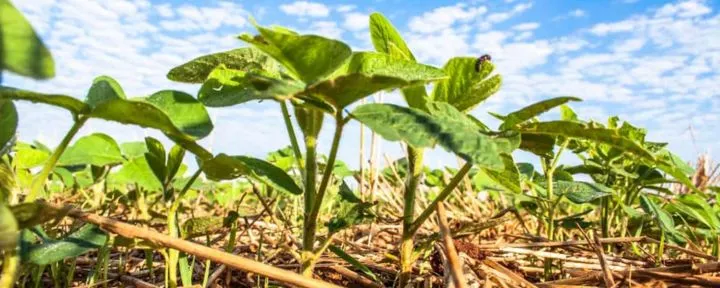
[237, 262]
[455, 262]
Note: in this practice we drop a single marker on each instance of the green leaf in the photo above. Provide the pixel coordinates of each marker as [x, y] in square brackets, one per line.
[96, 149]
[174, 161]
[22, 50]
[664, 220]
[133, 149]
[185, 112]
[178, 115]
[89, 237]
[309, 58]
[136, 171]
[447, 126]
[386, 39]
[352, 261]
[224, 167]
[243, 59]
[577, 130]
[155, 158]
[355, 214]
[509, 178]
[567, 114]
[533, 110]
[379, 64]
[28, 157]
[674, 160]
[227, 87]
[367, 73]
[104, 88]
[696, 208]
[8, 123]
[461, 135]
[538, 144]
[71, 104]
[581, 192]
[347, 195]
[466, 88]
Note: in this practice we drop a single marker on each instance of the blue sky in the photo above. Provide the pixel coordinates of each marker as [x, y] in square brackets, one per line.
[653, 63]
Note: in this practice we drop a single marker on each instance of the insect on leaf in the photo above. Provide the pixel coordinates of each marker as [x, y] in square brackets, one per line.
[466, 88]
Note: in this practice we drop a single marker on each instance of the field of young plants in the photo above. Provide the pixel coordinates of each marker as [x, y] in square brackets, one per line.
[92, 212]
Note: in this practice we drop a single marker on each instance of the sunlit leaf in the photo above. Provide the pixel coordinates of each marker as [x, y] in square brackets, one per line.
[466, 88]
[96, 149]
[243, 59]
[581, 192]
[533, 110]
[104, 88]
[309, 58]
[386, 39]
[577, 130]
[22, 50]
[227, 87]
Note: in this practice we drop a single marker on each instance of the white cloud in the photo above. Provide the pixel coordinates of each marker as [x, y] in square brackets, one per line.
[444, 17]
[629, 45]
[165, 10]
[684, 9]
[517, 9]
[356, 21]
[326, 28]
[305, 8]
[345, 8]
[526, 26]
[193, 18]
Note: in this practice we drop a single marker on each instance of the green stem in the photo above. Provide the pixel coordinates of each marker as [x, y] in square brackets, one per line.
[173, 231]
[308, 223]
[309, 256]
[291, 133]
[39, 180]
[407, 246]
[327, 173]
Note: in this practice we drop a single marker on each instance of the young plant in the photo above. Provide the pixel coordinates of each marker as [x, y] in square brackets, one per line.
[318, 76]
[165, 167]
[469, 83]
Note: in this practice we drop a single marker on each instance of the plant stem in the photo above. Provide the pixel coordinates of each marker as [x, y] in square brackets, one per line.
[39, 180]
[293, 137]
[308, 223]
[309, 256]
[173, 231]
[415, 164]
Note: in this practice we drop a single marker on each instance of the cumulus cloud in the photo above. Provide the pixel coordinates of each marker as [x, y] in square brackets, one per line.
[305, 8]
[443, 17]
